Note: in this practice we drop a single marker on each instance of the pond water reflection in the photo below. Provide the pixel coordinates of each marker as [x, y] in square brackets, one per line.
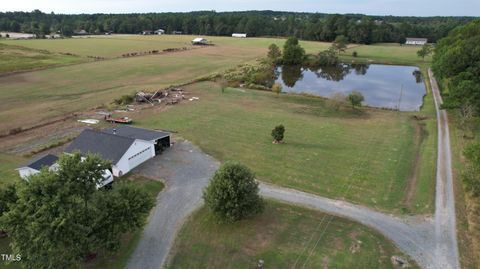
[388, 86]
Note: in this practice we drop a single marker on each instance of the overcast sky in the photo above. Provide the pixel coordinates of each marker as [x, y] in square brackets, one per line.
[370, 7]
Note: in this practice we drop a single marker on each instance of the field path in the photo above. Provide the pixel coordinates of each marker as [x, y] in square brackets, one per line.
[430, 241]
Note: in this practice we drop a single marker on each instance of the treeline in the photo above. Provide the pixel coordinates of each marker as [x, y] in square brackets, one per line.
[309, 26]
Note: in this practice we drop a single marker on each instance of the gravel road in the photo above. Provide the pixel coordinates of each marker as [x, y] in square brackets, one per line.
[186, 171]
[431, 242]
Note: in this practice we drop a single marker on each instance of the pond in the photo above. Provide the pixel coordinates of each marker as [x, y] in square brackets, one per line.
[385, 86]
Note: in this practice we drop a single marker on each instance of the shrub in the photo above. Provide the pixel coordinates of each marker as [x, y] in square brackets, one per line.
[277, 88]
[355, 54]
[278, 133]
[125, 99]
[233, 193]
[471, 173]
[356, 98]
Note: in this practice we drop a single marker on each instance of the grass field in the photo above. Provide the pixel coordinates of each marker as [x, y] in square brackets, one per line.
[8, 163]
[283, 236]
[325, 150]
[386, 53]
[116, 45]
[43, 95]
[17, 58]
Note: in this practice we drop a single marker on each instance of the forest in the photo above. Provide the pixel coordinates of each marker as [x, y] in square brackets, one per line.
[308, 26]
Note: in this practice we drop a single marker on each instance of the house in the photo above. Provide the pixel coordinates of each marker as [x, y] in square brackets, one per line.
[416, 41]
[159, 32]
[126, 147]
[177, 32]
[239, 35]
[35, 165]
[147, 32]
[199, 41]
[50, 161]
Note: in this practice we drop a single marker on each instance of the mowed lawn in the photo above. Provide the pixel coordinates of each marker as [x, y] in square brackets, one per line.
[363, 156]
[116, 45]
[388, 53]
[284, 236]
[17, 58]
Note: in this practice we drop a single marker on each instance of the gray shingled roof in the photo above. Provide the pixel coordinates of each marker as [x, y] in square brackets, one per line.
[46, 160]
[416, 39]
[137, 133]
[107, 146]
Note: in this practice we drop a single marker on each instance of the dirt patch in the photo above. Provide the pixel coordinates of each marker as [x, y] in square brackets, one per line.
[420, 135]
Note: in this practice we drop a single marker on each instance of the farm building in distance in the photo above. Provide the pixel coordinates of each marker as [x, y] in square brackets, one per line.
[199, 41]
[238, 35]
[416, 41]
[159, 32]
[147, 32]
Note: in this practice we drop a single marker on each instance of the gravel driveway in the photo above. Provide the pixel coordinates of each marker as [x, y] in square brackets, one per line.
[186, 171]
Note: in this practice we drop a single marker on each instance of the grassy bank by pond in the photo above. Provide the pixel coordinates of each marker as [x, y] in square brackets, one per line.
[282, 236]
[365, 156]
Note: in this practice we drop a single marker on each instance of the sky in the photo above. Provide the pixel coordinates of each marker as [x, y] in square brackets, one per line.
[369, 7]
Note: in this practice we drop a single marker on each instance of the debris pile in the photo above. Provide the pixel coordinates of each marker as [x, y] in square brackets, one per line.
[169, 96]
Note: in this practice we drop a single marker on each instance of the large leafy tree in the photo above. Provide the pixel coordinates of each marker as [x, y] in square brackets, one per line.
[457, 61]
[59, 217]
[233, 193]
[293, 53]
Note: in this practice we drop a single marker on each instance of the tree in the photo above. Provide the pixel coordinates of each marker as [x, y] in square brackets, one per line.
[232, 194]
[340, 43]
[425, 51]
[327, 57]
[7, 36]
[355, 98]
[293, 53]
[456, 59]
[278, 134]
[62, 212]
[277, 88]
[471, 174]
[274, 52]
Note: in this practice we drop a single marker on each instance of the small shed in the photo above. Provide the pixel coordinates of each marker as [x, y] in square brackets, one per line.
[159, 32]
[239, 35]
[416, 41]
[147, 32]
[200, 41]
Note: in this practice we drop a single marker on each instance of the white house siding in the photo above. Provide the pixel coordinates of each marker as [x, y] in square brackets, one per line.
[415, 42]
[239, 35]
[26, 172]
[139, 152]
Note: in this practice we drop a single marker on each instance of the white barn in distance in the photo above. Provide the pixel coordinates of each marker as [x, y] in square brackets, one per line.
[416, 41]
[239, 35]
